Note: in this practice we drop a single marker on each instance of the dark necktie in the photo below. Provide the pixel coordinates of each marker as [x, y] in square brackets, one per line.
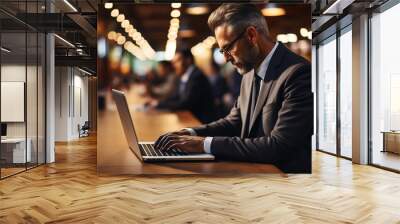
[254, 92]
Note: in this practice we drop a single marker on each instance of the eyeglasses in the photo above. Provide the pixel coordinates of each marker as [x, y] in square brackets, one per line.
[228, 47]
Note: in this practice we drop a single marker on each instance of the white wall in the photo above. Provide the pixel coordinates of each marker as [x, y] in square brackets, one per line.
[13, 73]
[71, 102]
[33, 127]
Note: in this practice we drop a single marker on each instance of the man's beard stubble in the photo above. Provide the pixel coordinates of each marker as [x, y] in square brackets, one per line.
[248, 60]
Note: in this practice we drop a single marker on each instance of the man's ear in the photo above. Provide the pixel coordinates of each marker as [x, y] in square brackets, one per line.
[252, 34]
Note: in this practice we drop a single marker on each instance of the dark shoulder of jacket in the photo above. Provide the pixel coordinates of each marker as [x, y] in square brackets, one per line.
[291, 58]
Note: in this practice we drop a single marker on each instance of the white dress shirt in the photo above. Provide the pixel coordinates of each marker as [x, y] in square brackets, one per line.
[261, 72]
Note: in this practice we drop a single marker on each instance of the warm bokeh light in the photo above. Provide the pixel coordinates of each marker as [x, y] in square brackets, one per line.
[174, 21]
[197, 10]
[125, 23]
[175, 13]
[121, 40]
[291, 37]
[125, 66]
[272, 11]
[114, 13]
[304, 32]
[120, 18]
[176, 5]
[112, 35]
[108, 5]
[170, 49]
[282, 38]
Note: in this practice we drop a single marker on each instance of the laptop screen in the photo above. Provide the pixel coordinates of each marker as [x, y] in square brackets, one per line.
[127, 122]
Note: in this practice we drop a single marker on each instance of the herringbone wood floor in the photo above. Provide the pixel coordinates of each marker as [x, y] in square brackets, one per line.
[69, 191]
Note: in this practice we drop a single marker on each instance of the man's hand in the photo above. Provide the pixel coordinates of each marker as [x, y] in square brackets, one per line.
[163, 138]
[190, 144]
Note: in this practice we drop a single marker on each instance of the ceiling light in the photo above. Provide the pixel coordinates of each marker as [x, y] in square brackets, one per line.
[136, 36]
[129, 28]
[141, 42]
[174, 21]
[70, 5]
[112, 35]
[273, 11]
[291, 37]
[175, 13]
[303, 32]
[5, 50]
[121, 40]
[65, 41]
[197, 10]
[114, 13]
[120, 18]
[282, 38]
[108, 5]
[138, 39]
[125, 23]
[176, 5]
[172, 36]
[170, 49]
[173, 29]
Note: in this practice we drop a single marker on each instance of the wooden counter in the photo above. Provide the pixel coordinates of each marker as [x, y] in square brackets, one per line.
[114, 156]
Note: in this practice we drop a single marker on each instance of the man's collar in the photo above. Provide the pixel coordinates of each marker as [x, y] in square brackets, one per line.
[262, 70]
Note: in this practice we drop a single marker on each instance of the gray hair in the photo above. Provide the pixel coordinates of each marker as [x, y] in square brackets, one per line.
[238, 16]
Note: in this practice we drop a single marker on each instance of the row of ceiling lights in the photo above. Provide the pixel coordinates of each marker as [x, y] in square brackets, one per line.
[170, 46]
[128, 45]
[144, 51]
[292, 38]
[269, 10]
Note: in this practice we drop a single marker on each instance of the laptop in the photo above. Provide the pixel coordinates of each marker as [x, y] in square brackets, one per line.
[145, 151]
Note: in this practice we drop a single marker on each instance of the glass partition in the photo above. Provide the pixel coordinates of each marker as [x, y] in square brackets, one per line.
[346, 92]
[327, 95]
[15, 150]
[22, 88]
[385, 89]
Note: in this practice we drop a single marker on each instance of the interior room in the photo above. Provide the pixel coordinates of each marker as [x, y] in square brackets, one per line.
[69, 154]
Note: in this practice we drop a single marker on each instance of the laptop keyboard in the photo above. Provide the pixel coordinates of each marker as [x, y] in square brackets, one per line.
[149, 150]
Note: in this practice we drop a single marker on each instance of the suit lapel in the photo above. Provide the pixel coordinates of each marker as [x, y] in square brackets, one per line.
[270, 76]
[245, 102]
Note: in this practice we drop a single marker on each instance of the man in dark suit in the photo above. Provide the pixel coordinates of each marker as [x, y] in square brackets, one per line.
[194, 91]
[272, 120]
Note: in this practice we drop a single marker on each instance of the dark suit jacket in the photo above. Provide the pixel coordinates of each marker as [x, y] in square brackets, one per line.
[281, 131]
[197, 97]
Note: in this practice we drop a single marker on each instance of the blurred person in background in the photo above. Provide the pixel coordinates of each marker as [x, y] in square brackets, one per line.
[168, 82]
[233, 80]
[219, 88]
[194, 92]
[151, 78]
